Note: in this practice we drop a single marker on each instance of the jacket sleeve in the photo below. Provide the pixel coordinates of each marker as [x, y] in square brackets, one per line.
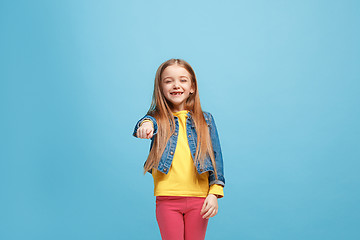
[218, 155]
[146, 117]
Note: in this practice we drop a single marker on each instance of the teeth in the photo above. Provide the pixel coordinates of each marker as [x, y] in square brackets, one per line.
[176, 93]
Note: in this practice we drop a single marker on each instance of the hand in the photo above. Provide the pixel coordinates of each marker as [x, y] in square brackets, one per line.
[146, 130]
[210, 207]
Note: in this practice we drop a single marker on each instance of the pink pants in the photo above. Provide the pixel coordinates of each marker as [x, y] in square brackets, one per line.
[179, 217]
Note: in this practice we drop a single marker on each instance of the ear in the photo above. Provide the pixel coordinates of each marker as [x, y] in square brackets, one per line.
[192, 90]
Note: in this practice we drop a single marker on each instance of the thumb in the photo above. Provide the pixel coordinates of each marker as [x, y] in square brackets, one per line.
[149, 133]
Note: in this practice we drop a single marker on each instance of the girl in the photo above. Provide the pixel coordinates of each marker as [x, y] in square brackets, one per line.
[185, 156]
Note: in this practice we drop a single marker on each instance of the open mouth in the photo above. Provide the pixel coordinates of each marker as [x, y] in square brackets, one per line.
[176, 93]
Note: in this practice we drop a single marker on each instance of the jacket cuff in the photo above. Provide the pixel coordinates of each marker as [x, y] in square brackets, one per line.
[219, 182]
[147, 120]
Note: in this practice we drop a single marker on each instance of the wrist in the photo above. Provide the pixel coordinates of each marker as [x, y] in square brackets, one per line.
[215, 195]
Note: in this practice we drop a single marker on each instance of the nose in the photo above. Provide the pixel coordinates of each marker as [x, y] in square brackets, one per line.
[176, 85]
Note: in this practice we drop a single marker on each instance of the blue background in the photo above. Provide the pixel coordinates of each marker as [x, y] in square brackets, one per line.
[281, 79]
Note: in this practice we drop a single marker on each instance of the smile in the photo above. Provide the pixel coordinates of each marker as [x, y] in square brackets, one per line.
[177, 93]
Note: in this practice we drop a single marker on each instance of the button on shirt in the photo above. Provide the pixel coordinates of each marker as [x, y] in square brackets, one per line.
[182, 178]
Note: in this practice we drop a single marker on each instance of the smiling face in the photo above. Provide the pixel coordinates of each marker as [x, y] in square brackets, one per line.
[176, 86]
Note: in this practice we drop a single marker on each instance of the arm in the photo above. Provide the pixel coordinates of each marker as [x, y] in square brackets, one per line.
[218, 155]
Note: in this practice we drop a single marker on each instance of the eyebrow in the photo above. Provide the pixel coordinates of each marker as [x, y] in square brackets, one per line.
[171, 77]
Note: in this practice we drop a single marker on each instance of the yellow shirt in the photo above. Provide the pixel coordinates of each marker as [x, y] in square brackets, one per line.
[182, 178]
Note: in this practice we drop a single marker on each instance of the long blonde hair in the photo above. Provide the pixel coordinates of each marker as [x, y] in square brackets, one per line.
[161, 111]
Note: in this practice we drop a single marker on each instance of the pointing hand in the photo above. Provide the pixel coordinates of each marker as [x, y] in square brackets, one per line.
[146, 130]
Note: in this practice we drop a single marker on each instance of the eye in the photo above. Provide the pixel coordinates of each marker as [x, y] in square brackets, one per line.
[184, 80]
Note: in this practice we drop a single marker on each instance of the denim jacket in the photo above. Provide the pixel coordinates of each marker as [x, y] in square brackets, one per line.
[167, 156]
